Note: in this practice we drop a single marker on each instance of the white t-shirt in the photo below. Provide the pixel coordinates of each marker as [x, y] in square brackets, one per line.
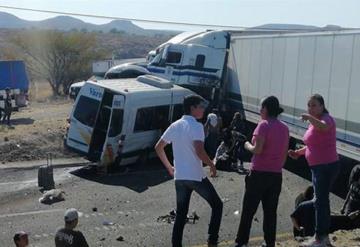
[182, 135]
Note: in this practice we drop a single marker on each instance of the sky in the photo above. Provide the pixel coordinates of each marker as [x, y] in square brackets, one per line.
[246, 13]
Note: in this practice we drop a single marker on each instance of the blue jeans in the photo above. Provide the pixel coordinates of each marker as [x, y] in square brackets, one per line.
[264, 187]
[206, 190]
[323, 177]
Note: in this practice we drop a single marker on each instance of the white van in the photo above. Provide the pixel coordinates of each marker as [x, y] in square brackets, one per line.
[119, 121]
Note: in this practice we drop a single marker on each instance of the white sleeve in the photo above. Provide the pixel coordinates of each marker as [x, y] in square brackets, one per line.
[198, 133]
[168, 135]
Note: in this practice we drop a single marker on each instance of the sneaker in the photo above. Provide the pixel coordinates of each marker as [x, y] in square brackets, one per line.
[354, 215]
[313, 242]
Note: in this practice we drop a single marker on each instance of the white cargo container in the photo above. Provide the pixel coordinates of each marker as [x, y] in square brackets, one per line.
[294, 66]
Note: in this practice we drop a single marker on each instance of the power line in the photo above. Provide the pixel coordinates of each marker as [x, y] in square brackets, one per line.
[240, 28]
[123, 18]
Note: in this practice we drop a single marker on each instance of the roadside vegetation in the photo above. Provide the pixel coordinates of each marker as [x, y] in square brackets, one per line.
[62, 58]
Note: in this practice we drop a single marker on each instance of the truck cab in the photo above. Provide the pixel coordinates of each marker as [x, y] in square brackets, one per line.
[196, 63]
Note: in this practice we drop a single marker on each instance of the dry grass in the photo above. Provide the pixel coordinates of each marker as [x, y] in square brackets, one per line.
[36, 131]
[40, 91]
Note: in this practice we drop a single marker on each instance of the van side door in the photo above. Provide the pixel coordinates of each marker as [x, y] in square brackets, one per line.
[115, 127]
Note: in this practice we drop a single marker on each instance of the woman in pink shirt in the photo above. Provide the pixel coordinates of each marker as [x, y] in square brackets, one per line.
[321, 155]
[269, 146]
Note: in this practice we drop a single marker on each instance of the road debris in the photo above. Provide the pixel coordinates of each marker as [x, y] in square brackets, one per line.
[52, 196]
[107, 223]
[170, 218]
[120, 238]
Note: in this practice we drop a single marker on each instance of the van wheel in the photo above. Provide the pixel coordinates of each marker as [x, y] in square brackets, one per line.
[143, 157]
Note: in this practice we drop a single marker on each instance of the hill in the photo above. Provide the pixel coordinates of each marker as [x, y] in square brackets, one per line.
[68, 23]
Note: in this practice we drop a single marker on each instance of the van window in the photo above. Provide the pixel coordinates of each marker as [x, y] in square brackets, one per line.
[178, 112]
[116, 122]
[152, 118]
[86, 111]
[200, 61]
[173, 57]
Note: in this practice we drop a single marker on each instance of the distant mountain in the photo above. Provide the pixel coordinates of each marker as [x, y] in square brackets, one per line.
[11, 21]
[67, 23]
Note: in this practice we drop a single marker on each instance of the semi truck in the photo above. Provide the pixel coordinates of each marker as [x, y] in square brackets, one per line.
[236, 69]
[13, 76]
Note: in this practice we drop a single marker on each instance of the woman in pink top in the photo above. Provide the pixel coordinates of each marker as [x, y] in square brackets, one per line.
[269, 146]
[320, 152]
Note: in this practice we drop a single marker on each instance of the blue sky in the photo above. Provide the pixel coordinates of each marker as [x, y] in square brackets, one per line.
[219, 12]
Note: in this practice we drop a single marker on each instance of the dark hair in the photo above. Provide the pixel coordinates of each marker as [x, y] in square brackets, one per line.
[192, 100]
[237, 114]
[309, 193]
[18, 236]
[272, 106]
[319, 99]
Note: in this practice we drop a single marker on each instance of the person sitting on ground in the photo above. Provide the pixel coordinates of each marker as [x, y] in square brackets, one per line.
[21, 239]
[222, 158]
[352, 201]
[307, 195]
[67, 236]
[303, 219]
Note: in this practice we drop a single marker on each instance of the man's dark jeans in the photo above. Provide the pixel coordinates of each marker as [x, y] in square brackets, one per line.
[323, 177]
[205, 189]
[264, 187]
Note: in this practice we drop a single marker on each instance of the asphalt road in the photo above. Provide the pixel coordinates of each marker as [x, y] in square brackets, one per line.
[128, 205]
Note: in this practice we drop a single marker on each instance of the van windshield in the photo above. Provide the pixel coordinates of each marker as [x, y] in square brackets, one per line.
[86, 111]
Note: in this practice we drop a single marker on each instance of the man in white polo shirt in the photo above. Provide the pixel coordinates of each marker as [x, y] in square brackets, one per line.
[187, 138]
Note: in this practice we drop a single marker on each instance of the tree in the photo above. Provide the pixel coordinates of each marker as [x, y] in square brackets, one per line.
[113, 30]
[60, 58]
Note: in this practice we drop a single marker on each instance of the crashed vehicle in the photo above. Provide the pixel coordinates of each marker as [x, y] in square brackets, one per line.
[127, 70]
[118, 121]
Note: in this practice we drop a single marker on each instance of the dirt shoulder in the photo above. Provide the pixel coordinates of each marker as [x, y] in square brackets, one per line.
[36, 131]
[340, 238]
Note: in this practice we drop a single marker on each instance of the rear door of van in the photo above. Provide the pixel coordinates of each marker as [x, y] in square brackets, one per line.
[114, 133]
[83, 117]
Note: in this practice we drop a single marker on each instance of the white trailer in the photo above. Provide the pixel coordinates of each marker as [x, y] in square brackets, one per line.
[291, 66]
[294, 66]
